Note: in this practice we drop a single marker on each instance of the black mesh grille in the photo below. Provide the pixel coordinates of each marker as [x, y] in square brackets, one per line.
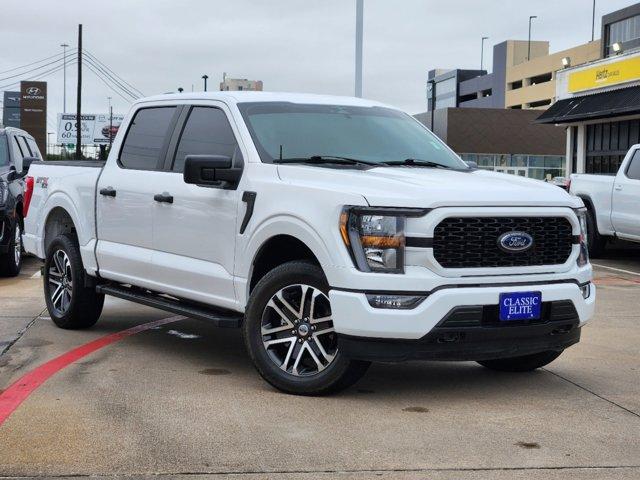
[473, 242]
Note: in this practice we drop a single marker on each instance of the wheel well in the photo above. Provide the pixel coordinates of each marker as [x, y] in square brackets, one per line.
[276, 251]
[58, 222]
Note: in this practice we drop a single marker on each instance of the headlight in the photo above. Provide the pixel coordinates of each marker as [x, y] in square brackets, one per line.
[583, 258]
[375, 237]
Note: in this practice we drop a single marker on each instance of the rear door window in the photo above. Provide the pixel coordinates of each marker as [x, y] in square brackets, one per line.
[206, 132]
[18, 152]
[26, 149]
[633, 170]
[146, 139]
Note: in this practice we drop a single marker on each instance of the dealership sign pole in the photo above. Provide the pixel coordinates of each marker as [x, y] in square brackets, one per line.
[33, 111]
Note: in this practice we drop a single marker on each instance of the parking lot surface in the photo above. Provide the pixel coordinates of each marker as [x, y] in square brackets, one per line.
[182, 399]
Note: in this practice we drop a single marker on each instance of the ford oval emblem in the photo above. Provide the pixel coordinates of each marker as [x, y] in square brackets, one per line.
[514, 242]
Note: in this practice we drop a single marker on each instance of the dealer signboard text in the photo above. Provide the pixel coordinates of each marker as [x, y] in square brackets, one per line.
[605, 74]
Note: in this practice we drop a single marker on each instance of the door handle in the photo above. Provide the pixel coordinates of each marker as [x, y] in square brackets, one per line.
[108, 192]
[163, 198]
[618, 187]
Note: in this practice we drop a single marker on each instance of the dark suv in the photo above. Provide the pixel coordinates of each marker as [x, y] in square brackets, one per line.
[17, 150]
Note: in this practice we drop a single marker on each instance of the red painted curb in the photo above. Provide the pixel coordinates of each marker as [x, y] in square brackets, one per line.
[18, 392]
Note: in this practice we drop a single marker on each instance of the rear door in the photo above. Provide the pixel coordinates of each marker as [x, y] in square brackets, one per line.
[625, 213]
[194, 236]
[125, 193]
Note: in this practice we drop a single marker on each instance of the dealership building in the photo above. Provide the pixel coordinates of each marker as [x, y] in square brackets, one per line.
[598, 104]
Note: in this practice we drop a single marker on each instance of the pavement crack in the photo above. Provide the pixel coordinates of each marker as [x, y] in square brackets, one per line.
[6, 346]
[636, 414]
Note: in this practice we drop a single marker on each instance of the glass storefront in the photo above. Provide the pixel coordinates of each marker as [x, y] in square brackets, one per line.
[540, 167]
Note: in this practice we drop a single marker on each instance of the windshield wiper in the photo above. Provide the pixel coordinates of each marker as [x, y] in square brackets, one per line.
[321, 159]
[412, 162]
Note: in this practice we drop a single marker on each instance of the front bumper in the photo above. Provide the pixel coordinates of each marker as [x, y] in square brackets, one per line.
[431, 330]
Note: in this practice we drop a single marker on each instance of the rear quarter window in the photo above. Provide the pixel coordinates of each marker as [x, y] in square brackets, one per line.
[145, 143]
[633, 170]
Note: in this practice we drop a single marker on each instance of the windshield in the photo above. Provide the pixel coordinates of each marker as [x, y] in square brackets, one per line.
[372, 134]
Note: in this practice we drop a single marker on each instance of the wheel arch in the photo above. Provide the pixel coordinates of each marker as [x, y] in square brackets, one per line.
[58, 222]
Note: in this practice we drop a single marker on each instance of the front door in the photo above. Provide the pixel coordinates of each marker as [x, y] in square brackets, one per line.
[625, 214]
[195, 233]
[125, 198]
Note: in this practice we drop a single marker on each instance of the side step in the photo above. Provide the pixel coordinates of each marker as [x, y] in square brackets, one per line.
[216, 316]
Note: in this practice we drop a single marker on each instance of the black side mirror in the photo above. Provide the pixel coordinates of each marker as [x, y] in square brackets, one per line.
[12, 175]
[26, 163]
[211, 171]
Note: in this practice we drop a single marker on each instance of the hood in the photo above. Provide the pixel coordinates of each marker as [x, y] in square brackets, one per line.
[431, 187]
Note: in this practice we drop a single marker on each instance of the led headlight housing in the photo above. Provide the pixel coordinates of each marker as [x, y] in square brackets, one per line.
[583, 258]
[375, 237]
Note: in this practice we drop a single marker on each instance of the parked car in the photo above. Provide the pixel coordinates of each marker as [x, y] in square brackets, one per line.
[17, 150]
[334, 231]
[562, 182]
[613, 203]
[110, 131]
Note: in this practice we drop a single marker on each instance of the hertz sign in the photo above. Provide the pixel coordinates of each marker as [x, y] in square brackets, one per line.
[605, 75]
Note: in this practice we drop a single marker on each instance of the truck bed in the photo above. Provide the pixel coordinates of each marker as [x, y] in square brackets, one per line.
[72, 163]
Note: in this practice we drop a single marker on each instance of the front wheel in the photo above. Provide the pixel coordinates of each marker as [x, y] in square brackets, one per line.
[289, 333]
[11, 262]
[526, 363]
[71, 304]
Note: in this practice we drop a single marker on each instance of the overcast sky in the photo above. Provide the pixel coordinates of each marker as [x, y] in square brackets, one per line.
[292, 45]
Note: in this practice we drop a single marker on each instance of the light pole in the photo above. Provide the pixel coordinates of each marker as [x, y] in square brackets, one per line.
[204, 77]
[64, 76]
[359, 25]
[482, 53]
[529, 42]
[593, 20]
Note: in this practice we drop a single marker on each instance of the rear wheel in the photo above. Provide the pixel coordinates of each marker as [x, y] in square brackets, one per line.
[289, 333]
[595, 241]
[71, 304]
[11, 262]
[525, 363]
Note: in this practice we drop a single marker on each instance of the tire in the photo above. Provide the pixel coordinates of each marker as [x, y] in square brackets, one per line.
[11, 262]
[284, 358]
[75, 306]
[526, 363]
[595, 241]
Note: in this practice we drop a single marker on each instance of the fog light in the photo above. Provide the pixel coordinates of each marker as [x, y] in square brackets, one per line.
[586, 290]
[398, 302]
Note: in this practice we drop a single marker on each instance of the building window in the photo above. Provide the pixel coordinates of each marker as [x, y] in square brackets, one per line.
[626, 32]
[486, 93]
[544, 78]
[540, 103]
[515, 85]
[608, 143]
[516, 107]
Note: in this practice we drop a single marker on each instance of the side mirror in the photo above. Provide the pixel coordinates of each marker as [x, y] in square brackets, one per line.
[12, 175]
[211, 171]
[471, 164]
[26, 163]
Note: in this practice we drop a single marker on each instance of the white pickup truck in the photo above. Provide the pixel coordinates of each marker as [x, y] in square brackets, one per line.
[334, 231]
[613, 203]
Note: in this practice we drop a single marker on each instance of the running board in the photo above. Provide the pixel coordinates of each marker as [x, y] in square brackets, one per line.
[215, 316]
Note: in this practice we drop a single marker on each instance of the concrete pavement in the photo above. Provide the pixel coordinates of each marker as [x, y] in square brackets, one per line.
[183, 400]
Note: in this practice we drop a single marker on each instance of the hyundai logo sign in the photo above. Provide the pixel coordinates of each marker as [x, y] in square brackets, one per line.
[33, 91]
[514, 242]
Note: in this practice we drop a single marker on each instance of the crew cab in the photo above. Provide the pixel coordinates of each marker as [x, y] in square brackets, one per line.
[613, 203]
[17, 150]
[334, 231]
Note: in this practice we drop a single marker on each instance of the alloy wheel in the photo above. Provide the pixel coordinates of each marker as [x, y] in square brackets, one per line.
[60, 282]
[17, 248]
[297, 330]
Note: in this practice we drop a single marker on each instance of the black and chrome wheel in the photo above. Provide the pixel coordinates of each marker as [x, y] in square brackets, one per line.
[290, 336]
[70, 302]
[11, 261]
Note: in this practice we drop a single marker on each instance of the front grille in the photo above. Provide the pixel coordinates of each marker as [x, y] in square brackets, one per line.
[472, 242]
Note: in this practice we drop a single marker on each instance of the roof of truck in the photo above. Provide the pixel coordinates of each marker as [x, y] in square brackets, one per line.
[252, 96]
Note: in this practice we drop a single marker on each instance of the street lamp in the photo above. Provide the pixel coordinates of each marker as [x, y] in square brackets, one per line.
[359, 28]
[205, 77]
[64, 76]
[529, 42]
[482, 53]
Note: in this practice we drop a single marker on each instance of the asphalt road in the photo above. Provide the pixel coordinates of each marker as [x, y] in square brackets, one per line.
[183, 400]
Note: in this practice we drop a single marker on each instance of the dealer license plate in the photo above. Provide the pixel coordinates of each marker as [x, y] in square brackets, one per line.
[520, 306]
